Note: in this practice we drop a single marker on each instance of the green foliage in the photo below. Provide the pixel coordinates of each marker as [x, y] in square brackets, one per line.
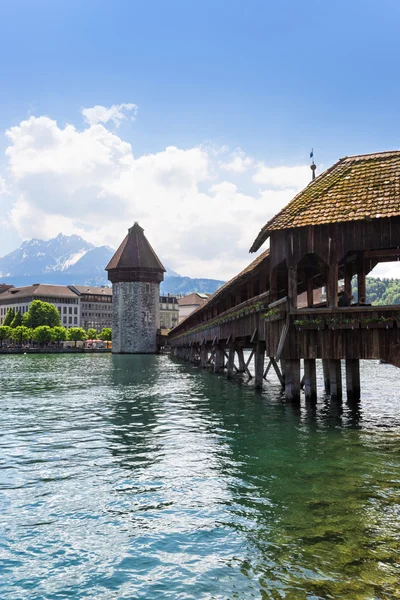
[58, 334]
[42, 334]
[20, 333]
[76, 334]
[5, 333]
[91, 333]
[42, 313]
[106, 334]
[8, 319]
[17, 320]
[380, 292]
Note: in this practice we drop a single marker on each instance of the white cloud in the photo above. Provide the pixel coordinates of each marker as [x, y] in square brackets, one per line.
[239, 163]
[88, 181]
[283, 177]
[116, 113]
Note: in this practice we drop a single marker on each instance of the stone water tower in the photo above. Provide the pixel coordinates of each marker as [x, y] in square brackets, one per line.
[136, 273]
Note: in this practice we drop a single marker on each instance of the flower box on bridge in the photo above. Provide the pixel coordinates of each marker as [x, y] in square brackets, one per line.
[381, 324]
[343, 324]
[309, 324]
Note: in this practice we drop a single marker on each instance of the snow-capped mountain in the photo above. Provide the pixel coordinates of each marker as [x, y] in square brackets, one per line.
[69, 259]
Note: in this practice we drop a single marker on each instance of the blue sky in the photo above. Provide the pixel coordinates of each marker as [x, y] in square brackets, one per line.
[271, 78]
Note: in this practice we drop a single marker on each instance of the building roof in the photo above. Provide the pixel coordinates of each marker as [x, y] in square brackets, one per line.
[4, 287]
[195, 298]
[355, 188]
[38, 290]
[92, 290]
[135, 252]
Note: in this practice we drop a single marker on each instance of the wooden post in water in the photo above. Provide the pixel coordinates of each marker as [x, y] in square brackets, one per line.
[219, 359]
[335, 372]
[203, 357]
[327, 376]
[242, 362]
[353, 379]
[292, 379]
[231, 361]
[282, 361]
[259, 357]
[310, 379]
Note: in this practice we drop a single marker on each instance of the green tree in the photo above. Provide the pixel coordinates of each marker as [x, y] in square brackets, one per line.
[17, 320]
[42, 334]
[58, 334]
[91, 333]
[106, 334]
[8, 319]
[42, 313]
[20, 333]
[76, 334]
[5, 334]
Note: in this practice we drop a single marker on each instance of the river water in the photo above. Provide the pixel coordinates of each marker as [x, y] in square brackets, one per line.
[143, 477]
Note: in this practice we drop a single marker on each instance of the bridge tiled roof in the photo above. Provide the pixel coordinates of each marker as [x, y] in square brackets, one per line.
[355, 188]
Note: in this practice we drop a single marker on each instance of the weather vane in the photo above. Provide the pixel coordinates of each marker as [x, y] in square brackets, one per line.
[313, 166]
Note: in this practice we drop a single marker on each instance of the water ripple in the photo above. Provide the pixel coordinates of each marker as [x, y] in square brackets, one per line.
[142, 477]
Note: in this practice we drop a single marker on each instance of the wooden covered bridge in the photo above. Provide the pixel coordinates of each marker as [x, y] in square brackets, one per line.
[340, 226]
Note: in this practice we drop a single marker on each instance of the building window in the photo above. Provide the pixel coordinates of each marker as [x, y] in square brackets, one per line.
[75, 310]
[75, 320]
[64, 310]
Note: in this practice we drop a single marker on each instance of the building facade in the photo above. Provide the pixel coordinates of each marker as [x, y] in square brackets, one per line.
[96, 306]
[64, 299]
[190, 303]
[169, 312]
[135, 273]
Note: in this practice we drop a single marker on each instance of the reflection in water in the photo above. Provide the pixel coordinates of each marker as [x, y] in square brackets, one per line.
[142, 477]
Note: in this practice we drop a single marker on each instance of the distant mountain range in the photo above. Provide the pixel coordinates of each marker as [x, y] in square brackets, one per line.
[69, 259]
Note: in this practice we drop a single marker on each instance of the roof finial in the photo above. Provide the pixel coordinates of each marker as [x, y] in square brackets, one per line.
[313, 166]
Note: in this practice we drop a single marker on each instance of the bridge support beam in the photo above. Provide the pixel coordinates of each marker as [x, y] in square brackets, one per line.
[292, 379]
[219, 359]
[242, 362]
[335, 372]
[231, 362]
[353, 379]
[259, 358]
[327, 376]
[310, 379]
[203, 357]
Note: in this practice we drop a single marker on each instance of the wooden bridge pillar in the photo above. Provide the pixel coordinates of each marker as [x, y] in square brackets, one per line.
[231, 361]
[353, 379]
[361, 281]
[203, 357]
[292, 379]
[327, 376]
[242, 362]
[310, 379]
[282, 361]
[335, 373]
[259, 358]
[219, 359]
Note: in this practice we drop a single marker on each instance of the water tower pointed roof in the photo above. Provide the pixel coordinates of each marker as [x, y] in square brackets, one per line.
[135, 259]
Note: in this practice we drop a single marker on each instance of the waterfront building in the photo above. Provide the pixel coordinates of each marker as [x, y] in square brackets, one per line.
[190, 303]
[169, 312]
[95, 306]
[135, 273]
[63, 298]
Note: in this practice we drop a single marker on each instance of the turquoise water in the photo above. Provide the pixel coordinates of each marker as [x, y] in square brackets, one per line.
[147, 478]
